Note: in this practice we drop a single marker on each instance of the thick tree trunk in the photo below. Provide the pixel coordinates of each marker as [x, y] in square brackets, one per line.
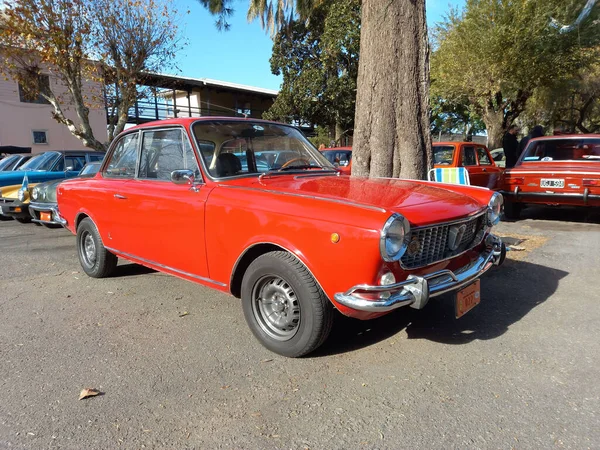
[494, 124]
[392, 134]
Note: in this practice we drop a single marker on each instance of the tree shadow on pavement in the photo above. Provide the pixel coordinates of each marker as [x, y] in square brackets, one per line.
[508, 294]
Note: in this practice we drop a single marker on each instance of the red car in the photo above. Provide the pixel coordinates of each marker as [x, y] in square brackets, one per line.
[251, 208]
[476, 158]
[340, 157]
[554, 170]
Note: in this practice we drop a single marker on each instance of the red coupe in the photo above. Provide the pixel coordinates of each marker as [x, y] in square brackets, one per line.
[251, 208]
[554, 170]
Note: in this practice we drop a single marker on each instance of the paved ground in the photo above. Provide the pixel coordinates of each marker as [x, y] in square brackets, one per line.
[519, 371]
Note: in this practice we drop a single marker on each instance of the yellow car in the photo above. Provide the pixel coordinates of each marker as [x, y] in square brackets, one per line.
[14, 201]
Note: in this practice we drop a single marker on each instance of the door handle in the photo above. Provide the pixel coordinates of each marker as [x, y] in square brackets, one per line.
[485, 170]
[120, 197]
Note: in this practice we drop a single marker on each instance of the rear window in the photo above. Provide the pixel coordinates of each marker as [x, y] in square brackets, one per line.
[443, 154]
[563, 150]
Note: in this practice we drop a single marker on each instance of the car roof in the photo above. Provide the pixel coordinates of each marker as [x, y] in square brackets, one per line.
[334, 149]
[457, 143]
[566, 136]
[190, 120]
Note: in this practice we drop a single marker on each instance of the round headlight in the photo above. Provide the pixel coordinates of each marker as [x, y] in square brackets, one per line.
[22, 195]
[495, 209]
[35, 194]
[394, 238]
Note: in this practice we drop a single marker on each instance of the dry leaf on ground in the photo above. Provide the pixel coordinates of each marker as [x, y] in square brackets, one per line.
[88, 392]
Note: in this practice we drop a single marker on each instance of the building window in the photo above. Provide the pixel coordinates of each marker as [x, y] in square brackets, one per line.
[27, 96]
[245, 109]
[39, 137]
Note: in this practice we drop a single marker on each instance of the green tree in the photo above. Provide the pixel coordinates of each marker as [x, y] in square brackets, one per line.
[319, 63]
[496, 54]
[391, 133]
[86, 40]
[454, 118]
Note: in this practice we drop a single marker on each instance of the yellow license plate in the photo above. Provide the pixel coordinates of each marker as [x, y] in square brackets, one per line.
[45, 216]
[468, 298]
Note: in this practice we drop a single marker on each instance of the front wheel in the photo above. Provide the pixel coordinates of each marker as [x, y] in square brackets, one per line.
[95, 260]
[284, 306]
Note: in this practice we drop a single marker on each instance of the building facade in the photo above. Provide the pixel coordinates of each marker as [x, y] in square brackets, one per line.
[27, 122]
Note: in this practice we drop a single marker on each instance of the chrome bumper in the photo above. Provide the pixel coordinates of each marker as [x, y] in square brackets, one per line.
[416, 290]
[51, 207]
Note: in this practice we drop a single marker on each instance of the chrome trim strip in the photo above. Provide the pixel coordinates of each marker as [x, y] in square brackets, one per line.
[312, 197]
[52, 207]
[554, 194]
[415, 291]
[162, 266]
[516, 173]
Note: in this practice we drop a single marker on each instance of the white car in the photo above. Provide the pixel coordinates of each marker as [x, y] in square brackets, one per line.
[498, 156]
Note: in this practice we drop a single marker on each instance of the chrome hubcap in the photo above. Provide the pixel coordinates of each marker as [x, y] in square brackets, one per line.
[88, 250]
[276, 308]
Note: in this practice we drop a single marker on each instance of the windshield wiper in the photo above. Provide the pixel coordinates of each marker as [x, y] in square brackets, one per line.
[301, 167]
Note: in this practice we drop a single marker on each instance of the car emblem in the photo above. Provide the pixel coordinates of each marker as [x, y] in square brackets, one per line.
[455, 236]
[414, 246]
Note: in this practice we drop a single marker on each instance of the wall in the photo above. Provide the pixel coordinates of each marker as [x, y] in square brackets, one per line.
[17, 120]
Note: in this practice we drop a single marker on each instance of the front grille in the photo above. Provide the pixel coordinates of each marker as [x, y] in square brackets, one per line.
[434, 241]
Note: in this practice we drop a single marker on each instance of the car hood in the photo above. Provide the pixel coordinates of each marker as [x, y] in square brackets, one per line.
[395, 195]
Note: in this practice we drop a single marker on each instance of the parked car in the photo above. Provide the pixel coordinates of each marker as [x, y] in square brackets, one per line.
[43, 207]
[474, 157]
[293, 242]
[340, 157]
[14, 202]
[13, 162]
[554, 170]
[51, 165]
[499, 157]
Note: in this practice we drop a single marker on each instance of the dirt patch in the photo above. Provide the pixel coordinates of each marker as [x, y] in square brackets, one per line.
[519, 245]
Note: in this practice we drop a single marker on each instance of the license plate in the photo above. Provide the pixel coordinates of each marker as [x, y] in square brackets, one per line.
[467, 299]
[45, 216]
[552, 183]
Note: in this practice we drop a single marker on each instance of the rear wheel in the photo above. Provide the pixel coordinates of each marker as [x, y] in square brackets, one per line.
[95, 260]
[512, 210]
[284, 306]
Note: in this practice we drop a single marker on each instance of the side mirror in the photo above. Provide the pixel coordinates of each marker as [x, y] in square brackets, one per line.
[183, 176]
[69, 169]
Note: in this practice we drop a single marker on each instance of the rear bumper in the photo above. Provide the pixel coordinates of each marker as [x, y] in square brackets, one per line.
[518, 195]
[36, 208]
[415, 291]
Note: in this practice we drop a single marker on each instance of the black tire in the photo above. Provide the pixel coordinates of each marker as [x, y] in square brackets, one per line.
[95, 260]
[23, 219]
[4, 218]
[296, 299]
[512, 210]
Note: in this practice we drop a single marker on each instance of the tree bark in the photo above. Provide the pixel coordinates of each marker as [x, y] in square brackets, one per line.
[392, 133]
[494, 124]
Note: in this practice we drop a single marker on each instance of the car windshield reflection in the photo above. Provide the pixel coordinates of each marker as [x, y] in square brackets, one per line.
[237, 148]
[443, 154]
[563, 150]
[44, 161]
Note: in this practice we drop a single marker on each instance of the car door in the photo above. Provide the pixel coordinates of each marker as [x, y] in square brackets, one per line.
[107, 198]
[490, 173]
[468, 160]
[168, 218]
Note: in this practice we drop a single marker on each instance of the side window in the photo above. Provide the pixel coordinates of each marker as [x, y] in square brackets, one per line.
[95, 158]
[164, 151]
[60, 165]
[468, 156]
[123, 158]
[484, 159]
[76, 162]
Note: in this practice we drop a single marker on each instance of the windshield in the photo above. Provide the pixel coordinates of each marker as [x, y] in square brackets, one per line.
[8, 162]
[563, 150]
[341, 157]
[443, 154]
[44, 161]
[233, 148]
[90, 170]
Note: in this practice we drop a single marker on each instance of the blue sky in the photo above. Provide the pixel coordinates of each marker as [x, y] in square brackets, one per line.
[241, 55]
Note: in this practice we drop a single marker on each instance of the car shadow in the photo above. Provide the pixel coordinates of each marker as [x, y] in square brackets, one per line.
[577, 214]
[508, 294]
[131, 269]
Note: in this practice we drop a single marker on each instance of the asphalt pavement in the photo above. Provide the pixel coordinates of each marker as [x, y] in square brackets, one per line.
[179, 369]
